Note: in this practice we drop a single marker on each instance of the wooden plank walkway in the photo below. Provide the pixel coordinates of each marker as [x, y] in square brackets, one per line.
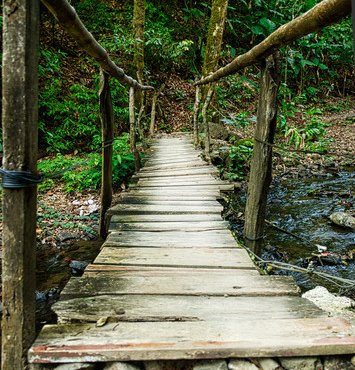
[171, 282]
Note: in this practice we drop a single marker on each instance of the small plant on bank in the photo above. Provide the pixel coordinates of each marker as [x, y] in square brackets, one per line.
[84, 171]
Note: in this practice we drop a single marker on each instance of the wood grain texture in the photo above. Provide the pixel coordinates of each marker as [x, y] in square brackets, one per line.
[193, 340]
[140, 308]
[209, 283]
[197, 257]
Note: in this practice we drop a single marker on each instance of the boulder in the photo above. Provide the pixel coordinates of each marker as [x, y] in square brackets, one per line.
[343, 219]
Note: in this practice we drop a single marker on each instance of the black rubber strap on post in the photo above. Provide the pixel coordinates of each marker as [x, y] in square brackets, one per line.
[13, 179]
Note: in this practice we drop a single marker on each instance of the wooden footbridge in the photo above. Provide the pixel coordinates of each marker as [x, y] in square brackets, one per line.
[172, 283]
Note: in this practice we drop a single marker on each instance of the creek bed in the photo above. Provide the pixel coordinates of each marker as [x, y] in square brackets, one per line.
[302, 207]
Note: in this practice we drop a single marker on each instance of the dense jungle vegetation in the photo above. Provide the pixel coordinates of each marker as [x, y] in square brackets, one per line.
[316, 69]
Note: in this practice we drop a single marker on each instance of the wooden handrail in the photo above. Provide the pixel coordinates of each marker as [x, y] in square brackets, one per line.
[321, 15]
[70, 21]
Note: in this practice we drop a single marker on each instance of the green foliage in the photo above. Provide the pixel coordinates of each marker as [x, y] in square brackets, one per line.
[161, 47]
[69, 113]
[85, 172]
[239, 157]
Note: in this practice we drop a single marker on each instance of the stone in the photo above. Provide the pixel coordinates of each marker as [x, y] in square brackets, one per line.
[343, 219]
[211, 365]
[121, 366]
[78, 267]
[64, 236]
[301, 363]
[218, 131]
[353, 361]
[338, 363]
[239, 364]
[77, 366]
[269, 364]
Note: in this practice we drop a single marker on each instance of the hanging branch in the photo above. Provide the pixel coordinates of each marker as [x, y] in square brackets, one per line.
[68, 18]
[154, 104]
[321, 15]
[205, 121]
[132, 130]
[196, 112]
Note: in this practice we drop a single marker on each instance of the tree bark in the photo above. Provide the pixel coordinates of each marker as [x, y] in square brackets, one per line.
[195, 117]
[107, 123]
[19, 117]
[214, 36]
[68, 18]
[132, 130]
[321, 15]
[261, 163]
[205, 122]
[214, 46]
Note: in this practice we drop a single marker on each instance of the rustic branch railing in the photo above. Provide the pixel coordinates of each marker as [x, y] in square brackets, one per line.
[323, 14]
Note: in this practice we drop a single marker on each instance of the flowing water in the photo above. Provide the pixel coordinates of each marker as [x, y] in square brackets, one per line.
[302, 207]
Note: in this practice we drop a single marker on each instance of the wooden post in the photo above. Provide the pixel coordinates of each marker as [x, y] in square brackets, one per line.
[153, 112]
[196, 112]
[261, 163]
[205, 122]
[106, 117]
[19, 117]
[132, 130]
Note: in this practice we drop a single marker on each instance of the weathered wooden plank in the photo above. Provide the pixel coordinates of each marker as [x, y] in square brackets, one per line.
[166, 218]
[192, 340]
[184, 178]
[171, 257]
[167, 200]
[186, 164]
[168, 181]
[140, 269]
[180, 171]
[174, 283]
[177, 190]
[175, 239]
[140, 308]
[183, 188]
[164, 209]
[136, 197]
[170, 226]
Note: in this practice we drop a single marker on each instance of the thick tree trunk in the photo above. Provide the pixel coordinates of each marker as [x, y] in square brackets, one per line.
[323, 14]
[195, 117]
[215, 36]
[19, 117]
[261, 163]
[68, 18]
[138, 30]
[107, 123]
[214, 46]
[132, 130]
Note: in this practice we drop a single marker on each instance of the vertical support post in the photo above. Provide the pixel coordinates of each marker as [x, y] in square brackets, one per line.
[106, 117]
[206, 125]
[261, 163]
[19, 117]
[196, 112]
[153, 112]
[132, 130]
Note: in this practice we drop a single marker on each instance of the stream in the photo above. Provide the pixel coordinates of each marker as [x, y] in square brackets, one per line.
[302, 206]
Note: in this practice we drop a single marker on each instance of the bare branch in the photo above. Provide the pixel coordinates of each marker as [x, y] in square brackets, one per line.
[68, 18]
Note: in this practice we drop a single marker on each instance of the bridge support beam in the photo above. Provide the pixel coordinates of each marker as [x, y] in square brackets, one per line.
[261, 163]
